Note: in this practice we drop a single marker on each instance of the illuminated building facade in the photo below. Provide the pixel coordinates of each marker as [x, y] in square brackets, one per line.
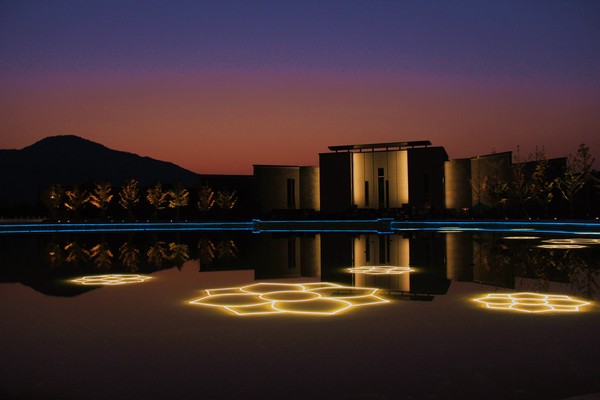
[382, 176]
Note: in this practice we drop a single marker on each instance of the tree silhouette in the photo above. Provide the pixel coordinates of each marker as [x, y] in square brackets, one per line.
[101, 196]
[76, 199]
[576, 175]
[129, 196]
[157, 198]
[53, 199]
[178, 197]
[206, 199]
[129, 255]
[101, 255]
[226, 200]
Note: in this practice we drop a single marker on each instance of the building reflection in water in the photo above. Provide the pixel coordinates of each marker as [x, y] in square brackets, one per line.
[435, 259]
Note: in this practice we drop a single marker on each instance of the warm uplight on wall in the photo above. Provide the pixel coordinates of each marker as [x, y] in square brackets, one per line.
[111, 280]
[379, 270]
[321, 298]
[532, 302]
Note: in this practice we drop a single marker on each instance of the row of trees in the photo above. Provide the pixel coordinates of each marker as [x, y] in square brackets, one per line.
[531, 185]
[131, 256]
[130, 196]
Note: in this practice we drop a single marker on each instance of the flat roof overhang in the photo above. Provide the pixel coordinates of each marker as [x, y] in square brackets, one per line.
[386, 146]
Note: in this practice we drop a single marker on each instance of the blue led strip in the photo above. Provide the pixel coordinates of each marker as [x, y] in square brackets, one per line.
[380, 226]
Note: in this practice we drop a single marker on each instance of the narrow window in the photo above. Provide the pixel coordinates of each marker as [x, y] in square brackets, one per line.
[366, 194]
[292, 252]
[291, 193]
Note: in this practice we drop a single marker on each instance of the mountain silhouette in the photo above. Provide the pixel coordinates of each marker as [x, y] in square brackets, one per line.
[69, 159]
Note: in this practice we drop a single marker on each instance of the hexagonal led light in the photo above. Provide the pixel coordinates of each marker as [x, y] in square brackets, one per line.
[561, 246]
[322, 298]
[379, 270]
[111, 279]
[532, 302]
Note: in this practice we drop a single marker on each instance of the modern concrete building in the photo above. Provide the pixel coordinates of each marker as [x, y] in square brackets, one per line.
[382, 176]
[470, 181]
[285, 187]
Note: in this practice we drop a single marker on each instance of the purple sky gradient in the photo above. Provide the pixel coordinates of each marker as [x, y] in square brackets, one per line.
[218, 86]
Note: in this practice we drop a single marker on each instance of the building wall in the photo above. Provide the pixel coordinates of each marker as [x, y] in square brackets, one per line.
[272, 187]
[457, 183]
[386, 190]
[335, 171]
[309, 188]
[485, 170]
[426, 177]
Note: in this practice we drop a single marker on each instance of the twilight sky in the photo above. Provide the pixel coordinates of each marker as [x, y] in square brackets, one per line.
[216, 86]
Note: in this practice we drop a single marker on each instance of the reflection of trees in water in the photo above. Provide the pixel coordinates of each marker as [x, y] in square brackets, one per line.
[157, 253]
[492, 259]
[129, 255]
[76, 253]
[179, 253]
[53, 253]
[538, 267]
[208, 251]
[102, 255]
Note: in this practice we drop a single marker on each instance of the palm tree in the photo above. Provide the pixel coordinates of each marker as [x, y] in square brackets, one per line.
[76, 199]
[129, 255]
[178, 197]
[101, 196]
[206, 199]
[102, 255]
[129, 196]
[157, 198]
[226, 200]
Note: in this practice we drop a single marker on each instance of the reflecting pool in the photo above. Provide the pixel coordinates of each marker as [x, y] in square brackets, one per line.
[220, 315]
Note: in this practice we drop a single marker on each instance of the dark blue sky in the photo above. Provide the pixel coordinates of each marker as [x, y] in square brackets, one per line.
[546, 48]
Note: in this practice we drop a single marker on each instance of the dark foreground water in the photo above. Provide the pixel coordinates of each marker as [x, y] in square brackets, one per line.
[423, 336]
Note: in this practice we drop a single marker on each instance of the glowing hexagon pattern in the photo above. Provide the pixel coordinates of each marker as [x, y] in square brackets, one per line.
[320, 298]
[532, 302]
[379, 270]
[111, 279]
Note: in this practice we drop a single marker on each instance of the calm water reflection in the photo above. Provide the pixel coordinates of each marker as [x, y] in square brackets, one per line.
[60, 339]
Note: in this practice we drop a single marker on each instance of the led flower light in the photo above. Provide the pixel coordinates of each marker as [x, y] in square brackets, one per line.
[321, 298]
[532, 302]
[111, 280]
[379, 270]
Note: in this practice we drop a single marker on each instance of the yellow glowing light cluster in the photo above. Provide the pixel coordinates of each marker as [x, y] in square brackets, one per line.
[320, 298]
[379, 270]
[532, 302]
[111, 280]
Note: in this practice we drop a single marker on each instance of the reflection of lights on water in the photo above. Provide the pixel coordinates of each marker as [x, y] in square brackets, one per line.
[532, 302]
[561, 246]
[320, 298]
[379, 270]
[521, 237]
[522, 229]
[573, 241]
[110, 280]
[449, 229]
